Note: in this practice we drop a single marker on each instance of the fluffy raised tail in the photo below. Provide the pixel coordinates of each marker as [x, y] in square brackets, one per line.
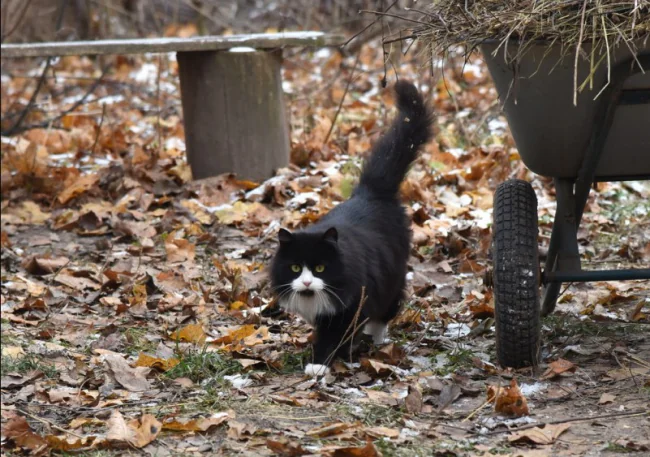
[398, 147]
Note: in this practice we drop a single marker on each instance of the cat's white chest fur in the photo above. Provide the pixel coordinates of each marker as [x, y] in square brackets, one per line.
[309, 307]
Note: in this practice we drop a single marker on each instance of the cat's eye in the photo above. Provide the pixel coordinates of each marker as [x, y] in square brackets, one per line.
[320, 268]
[296, 268]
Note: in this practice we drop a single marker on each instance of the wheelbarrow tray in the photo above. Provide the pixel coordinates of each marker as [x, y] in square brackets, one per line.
[552, 135]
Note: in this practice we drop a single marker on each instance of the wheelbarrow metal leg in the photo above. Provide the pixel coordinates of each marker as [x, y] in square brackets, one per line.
[563, 254]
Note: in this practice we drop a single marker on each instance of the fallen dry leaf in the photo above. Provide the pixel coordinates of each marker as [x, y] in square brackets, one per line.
[558, 367]
[606, 398]
[369, 450]
[13, 380]
[138, 432]
[192, 333]
[44, 265]
[413, 401]
[391, 354]
[200, 424]
[508, 400]
[240, 430]
[29, 213]
[133, 379]
[381, 432]
[546, 435]
[67, 443]
[376, 368]
[145, 360]
[18, 430]
[180, 250]
[236, 335]
[448, 394]
[285, 448]
[78, 187]
[329, 430]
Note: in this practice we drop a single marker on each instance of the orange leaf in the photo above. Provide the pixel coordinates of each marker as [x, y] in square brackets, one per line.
[180, 250]
[78, 187]
[508, 400]
[236, 335]
[201, 424]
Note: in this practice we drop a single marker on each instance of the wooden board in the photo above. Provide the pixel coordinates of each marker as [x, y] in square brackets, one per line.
[143, 45]
[234, 113]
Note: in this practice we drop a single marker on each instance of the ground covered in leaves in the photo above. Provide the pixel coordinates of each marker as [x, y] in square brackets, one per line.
[137, 318]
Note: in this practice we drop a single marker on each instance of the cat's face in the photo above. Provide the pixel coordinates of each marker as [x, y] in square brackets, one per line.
[306, 273]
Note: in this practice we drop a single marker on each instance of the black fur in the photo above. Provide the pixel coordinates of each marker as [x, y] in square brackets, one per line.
[365, 241]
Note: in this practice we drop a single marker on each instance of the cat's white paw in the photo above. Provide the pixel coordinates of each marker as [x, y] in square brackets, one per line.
[377, 330]
[315, 369]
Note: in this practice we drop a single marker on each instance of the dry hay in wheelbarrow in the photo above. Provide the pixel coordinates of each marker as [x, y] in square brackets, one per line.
[601, 25]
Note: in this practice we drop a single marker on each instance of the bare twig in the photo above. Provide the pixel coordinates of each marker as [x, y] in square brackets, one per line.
[356, 35]
[99, 129]
[21, 15]
[635, 413]
[338, 110]
[49, 423]
[15, 128]
[81, 101]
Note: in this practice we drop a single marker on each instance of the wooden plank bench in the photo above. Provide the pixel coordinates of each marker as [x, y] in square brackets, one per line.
[233, 104]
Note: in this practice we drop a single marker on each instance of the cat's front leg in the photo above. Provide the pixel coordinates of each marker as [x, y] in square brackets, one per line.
[322, 354]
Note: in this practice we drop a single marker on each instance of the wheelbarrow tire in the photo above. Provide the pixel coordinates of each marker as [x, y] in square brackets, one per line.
[516, 276]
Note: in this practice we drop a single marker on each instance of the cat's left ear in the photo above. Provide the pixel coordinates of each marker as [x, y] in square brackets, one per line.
[331, 234]
[284, 236]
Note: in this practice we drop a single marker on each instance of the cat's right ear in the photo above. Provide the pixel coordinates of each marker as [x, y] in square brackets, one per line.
[284, 236]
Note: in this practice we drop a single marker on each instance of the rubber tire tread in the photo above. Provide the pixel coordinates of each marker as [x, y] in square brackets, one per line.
[516, 274]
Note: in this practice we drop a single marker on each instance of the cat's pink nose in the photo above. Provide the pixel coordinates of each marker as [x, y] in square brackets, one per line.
[307, 283]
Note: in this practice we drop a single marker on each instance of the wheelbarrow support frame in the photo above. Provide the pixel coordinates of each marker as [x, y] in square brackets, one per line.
[563, 260]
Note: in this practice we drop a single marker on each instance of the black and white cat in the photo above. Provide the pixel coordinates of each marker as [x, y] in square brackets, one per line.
[319, 272]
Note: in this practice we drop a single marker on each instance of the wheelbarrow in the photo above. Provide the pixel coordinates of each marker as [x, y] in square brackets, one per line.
[605, 137]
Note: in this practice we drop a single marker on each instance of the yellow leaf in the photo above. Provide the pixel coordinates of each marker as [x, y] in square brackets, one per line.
[192, 333]
[30, 213]
[145, 360]
[237, 305]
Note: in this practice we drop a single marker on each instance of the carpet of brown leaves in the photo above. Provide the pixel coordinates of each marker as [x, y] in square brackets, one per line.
[136, 316]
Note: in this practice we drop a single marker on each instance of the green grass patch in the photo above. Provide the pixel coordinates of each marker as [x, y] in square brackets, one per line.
[137, 341]
[27, 363]
[295, 361]
[204, 368]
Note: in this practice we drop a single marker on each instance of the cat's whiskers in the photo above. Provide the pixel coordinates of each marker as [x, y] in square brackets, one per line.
[282, 295]
[330, 290]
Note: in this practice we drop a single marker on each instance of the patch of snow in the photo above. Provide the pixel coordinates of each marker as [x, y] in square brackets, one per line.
[175, 143]
[148, 74]
[457, 152]
[497, 126]
[111, 99]
[530, 389]
[236, 254]
[238, 381]
[241, 49]
[323, 53]
[306, 198]
[287, 87]
[457, 330]
[473, 68]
